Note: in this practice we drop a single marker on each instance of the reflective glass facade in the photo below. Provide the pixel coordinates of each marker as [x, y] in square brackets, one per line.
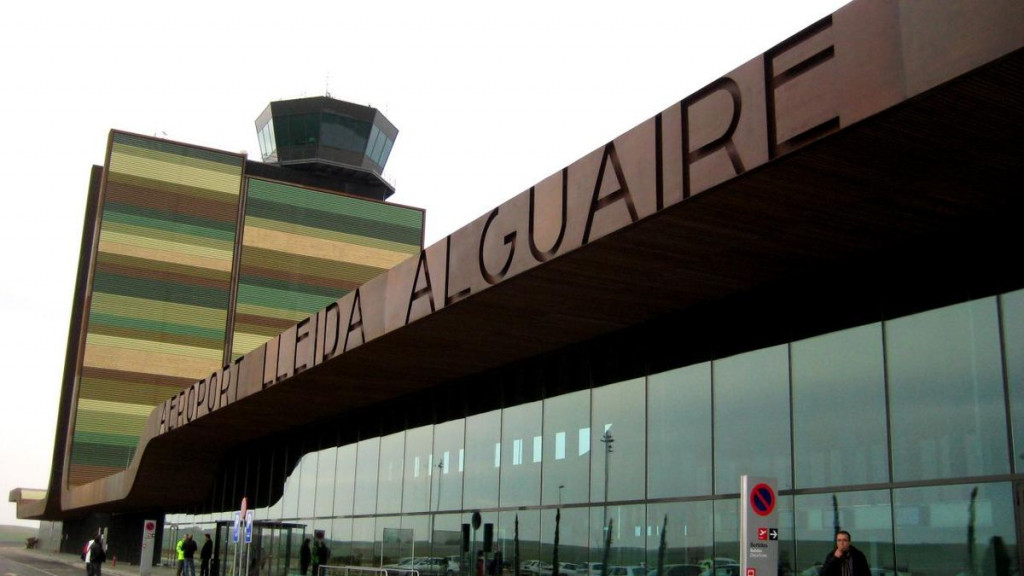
[901, 431]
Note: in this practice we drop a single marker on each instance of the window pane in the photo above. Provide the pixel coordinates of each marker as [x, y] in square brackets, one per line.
[946, 393]
[345, 481]
[363, 543]
[327, 463]
[292, 487]
[448, 447]
[389, 484]
[573, 534]
[483, 431]
[419, 471]
[619, 415]
[368, 453]
[831, 374]
[941, 530]
[866, 515]
[629, 533]
[689, 538]
[307, 485]
[520, 475]
[679, 440]
[1013, 349]
[565, 470]
[751, 393]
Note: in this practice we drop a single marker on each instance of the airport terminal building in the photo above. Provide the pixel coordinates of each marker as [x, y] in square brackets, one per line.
[804, 270]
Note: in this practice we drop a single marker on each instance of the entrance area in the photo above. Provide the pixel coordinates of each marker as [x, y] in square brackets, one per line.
[273, 550]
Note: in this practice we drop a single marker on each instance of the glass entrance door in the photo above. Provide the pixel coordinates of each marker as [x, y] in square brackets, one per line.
[273, 551]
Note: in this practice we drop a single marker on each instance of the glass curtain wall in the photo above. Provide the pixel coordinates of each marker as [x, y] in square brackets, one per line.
[901, 431]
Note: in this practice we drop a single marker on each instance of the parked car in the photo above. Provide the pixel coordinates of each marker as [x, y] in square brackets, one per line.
[535, 567]
[723, 570]
[566, 569]
[592, 568]
[679, 570]
[627, 571]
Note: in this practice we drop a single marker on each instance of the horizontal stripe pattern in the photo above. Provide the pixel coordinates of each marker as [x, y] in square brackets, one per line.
[303, 249]
[160, 291]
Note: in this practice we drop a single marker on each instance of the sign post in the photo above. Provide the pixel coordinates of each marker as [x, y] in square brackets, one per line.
[759, 533]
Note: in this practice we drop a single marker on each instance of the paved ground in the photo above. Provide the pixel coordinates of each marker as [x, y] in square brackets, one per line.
[16, 560]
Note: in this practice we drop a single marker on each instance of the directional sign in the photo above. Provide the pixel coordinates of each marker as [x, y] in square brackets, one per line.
[234, 529]
[759, 539]
[248, 527]
[762, 499]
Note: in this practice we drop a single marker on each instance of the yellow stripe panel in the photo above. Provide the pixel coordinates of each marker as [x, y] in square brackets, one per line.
[129, 360]
[245, 343]
[155, 347]
[309, 231]
[144, 309]
[175, 170]
[124, 408]
[110, 423]
[152, 249]
[320, 248]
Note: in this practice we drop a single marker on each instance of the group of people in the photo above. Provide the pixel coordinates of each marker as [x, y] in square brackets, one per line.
[317, 556]
[186, 550]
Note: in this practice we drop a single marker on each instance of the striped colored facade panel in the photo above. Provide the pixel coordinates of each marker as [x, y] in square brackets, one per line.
[303, 249]
[161, 289]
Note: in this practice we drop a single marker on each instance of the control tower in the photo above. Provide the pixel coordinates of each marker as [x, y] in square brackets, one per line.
[331, 139]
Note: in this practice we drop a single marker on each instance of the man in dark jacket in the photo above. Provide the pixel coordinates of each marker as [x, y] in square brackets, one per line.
[204, 556]
[845, 560]
[189, 549]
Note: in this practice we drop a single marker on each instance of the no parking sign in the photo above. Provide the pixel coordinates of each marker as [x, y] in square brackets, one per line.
[759, 534]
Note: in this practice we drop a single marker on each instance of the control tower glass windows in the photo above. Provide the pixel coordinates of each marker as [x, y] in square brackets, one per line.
[344, 133]
[268, 141]
[303, 130]
[379, 147]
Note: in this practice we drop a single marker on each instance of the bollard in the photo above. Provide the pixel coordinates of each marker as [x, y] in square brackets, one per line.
[114, 563]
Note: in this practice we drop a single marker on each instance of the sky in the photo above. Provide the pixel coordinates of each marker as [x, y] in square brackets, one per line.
[489, 99]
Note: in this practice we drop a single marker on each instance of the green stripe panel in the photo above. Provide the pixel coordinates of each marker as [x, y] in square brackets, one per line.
[330, 212]
[279, 279]
[162, 283]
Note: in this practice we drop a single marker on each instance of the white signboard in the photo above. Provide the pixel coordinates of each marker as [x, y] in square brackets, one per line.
[759, 533]
[148, 545]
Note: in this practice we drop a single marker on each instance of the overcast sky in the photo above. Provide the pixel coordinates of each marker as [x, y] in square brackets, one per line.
[489, 98]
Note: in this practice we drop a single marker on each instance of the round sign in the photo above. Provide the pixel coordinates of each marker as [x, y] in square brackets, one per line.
[150, 526]
[762, 499]
[245, 506]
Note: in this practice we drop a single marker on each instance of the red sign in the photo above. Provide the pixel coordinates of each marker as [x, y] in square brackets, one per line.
[762, 533]
[751, 572]
[762, 499]
[245, 506]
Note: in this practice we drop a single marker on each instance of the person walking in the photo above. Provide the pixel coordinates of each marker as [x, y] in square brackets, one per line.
[85, 556]
[97, 555]
[205, 555]
[846, 559]
[188, 549]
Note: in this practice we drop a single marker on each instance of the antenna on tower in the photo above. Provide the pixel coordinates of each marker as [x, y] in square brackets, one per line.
[327, 86]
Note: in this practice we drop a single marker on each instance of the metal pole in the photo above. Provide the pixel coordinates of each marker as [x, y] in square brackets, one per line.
[607, 440]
